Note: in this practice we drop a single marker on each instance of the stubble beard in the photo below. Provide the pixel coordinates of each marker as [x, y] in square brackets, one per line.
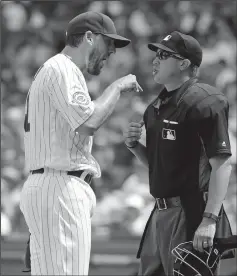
[93, 64]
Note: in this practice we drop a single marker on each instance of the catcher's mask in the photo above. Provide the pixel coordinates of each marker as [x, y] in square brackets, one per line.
[190, 262]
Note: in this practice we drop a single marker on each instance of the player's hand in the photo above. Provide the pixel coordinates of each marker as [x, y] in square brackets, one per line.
[204, 235]
[132, 133]
[129, 84]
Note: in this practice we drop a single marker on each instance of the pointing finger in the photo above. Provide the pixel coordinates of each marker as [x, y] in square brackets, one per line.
[139, 88]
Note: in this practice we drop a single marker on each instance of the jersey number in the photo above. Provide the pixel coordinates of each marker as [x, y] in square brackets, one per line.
[26, 123]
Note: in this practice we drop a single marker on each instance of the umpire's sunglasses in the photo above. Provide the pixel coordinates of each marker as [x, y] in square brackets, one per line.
[163, 55]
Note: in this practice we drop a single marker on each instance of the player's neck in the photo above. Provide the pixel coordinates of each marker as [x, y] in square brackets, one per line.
[75, 57]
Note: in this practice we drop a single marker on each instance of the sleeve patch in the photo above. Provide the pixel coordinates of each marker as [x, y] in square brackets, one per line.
[80, 98]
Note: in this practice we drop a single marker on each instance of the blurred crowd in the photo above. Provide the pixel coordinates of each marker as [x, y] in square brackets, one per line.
[33, 31]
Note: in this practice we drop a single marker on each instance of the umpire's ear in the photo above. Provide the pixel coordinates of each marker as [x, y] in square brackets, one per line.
[184, 64]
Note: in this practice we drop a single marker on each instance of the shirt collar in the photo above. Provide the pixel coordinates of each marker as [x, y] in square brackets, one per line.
[173, 96]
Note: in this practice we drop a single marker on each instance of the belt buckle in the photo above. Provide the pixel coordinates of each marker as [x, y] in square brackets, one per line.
[158, 204]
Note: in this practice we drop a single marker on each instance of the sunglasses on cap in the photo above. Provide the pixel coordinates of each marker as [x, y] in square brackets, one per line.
[163, 55]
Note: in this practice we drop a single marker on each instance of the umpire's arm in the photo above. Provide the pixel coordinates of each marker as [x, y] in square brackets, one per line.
[132, 135]
[140, 152]
[212, 121]
[213, 129]
[218, 184]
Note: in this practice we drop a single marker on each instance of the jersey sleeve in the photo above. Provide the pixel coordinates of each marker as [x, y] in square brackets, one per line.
[211, 115]
[69, 96]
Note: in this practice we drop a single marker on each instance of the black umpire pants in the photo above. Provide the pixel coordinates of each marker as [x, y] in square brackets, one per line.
[165, 230]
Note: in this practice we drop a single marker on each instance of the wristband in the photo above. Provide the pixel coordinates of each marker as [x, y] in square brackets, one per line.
[211, 216]
[132, 146]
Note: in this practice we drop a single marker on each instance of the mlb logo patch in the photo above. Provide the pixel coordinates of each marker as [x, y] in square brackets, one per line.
[168, 134]
[223, 144]
[168, 37]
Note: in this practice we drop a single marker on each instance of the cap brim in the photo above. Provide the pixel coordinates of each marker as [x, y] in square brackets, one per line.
[155, 46]
[119, 41]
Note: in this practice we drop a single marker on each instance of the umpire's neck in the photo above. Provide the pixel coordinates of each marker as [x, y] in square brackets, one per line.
[175, 84]
[78, 55]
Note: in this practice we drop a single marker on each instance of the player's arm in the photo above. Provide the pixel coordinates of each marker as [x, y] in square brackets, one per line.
[74, 103]
[105, 104]
[103, 107]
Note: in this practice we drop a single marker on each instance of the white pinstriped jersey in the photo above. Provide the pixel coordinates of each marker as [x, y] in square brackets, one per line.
[57, 103]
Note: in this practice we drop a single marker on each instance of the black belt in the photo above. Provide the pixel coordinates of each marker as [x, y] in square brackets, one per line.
[78, 173]
[166, 203]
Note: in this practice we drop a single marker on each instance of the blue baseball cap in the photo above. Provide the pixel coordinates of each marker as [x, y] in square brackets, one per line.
[182, 44]
[97, 23]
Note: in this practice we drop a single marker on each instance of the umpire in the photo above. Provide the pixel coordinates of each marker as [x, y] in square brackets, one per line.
[185, 124]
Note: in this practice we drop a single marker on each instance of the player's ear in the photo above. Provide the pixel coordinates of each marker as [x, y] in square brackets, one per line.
[89, 37]
[184, 64]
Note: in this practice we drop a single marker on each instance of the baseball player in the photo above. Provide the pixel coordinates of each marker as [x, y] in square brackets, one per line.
[185, 124]
[60, 121]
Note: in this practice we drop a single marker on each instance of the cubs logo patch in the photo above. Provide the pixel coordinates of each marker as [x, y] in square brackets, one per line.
[168, 134]
[80, 98]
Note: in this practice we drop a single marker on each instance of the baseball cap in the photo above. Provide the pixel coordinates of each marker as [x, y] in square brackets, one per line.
[182, 44]
[97, 23]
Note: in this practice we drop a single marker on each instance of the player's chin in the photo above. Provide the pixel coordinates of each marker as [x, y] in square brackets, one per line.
[95, 71]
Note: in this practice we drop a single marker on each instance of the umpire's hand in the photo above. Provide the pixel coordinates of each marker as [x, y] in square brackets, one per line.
[204, 235]
[133, 134]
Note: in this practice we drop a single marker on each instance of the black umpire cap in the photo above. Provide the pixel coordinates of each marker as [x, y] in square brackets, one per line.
[97, 23]
[182, 44]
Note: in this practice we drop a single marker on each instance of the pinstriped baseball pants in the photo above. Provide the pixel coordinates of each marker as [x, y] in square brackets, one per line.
[57, 208]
